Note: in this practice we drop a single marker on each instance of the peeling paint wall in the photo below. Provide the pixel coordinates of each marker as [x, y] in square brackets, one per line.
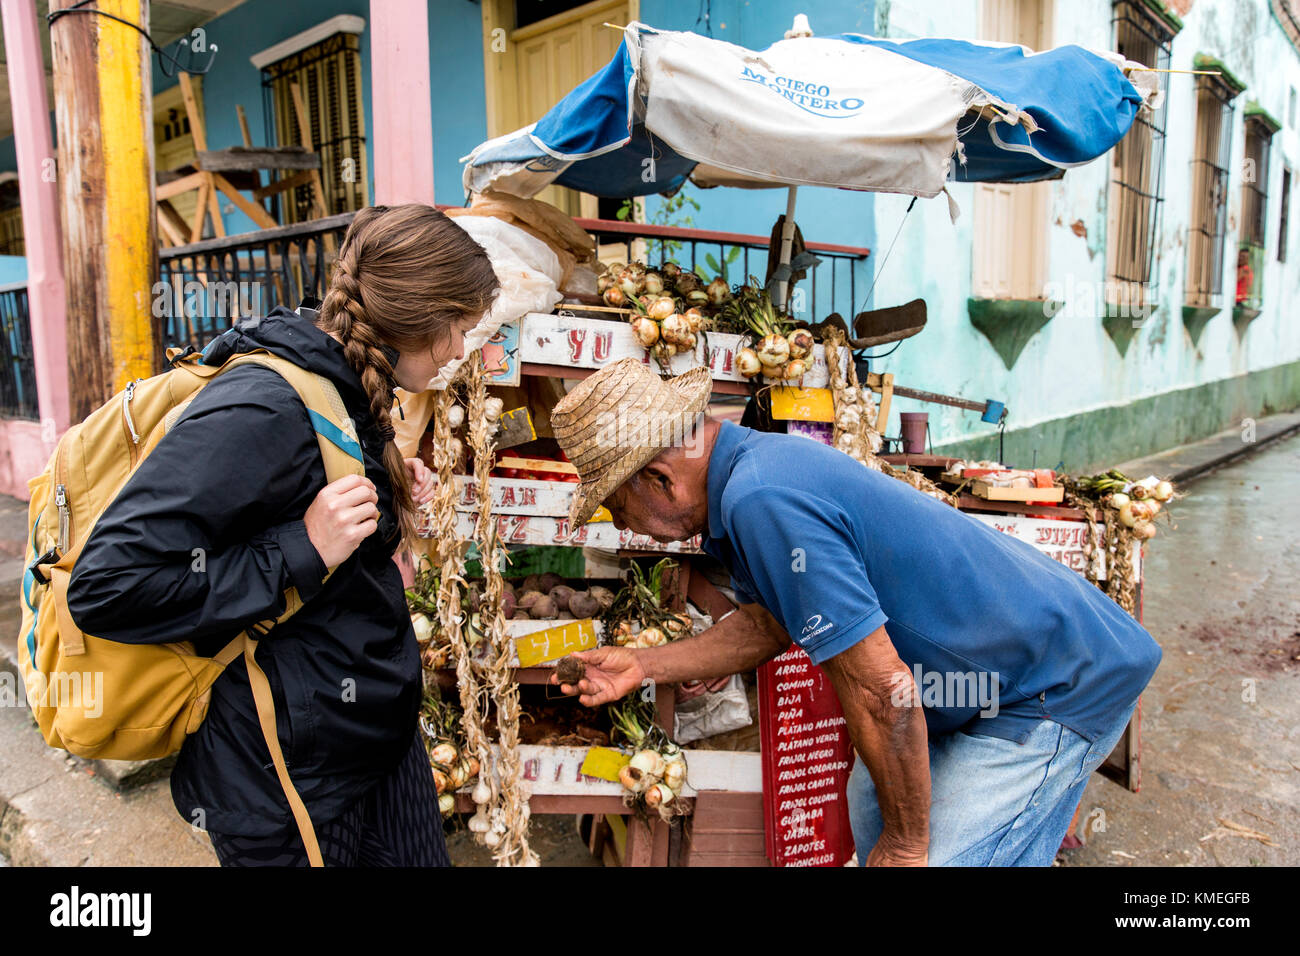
[1072, 366]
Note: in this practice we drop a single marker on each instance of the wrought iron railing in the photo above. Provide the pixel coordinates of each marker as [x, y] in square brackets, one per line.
[17, 370]
[206, 286]
[831, 286]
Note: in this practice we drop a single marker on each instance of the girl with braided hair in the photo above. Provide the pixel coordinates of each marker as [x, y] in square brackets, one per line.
[240, 478]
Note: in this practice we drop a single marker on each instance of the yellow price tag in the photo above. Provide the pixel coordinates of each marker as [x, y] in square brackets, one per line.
[556, 642]
[600, 514]
[605, 763]
[803, 404]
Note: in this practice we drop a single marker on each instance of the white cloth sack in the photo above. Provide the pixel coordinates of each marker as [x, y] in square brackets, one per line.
[529, 272]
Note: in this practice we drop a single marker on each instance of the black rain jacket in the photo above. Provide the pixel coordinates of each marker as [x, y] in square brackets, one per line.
[234, 477]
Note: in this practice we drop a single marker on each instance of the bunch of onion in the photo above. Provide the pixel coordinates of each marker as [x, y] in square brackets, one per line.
[1136, 503]
[779, 352]
[663, 327]
[637, 633]
[654, 777]
[452, 762]
[639, 616]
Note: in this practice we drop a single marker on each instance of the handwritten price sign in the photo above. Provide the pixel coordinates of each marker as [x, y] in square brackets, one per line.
[555, 642]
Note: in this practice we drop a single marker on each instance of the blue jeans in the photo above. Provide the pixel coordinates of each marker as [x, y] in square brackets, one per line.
[994, 802]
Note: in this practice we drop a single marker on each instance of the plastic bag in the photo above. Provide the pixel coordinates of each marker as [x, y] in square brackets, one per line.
[529, 272]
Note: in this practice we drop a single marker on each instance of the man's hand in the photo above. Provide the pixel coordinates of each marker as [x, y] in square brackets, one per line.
[612, 673]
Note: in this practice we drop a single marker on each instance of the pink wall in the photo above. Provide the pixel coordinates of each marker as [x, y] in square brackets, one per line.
[22, 455]
[399, 93]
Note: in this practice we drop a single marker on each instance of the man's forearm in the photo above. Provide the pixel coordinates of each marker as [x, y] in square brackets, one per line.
[739, 642]
[890, 736]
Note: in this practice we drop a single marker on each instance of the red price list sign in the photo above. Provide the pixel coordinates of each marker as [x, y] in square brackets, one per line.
[807, 756]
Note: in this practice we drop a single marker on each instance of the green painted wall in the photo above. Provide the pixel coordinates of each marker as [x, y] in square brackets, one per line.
[1102, 437]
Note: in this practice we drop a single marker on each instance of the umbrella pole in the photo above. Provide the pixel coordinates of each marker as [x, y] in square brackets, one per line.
[787, 241]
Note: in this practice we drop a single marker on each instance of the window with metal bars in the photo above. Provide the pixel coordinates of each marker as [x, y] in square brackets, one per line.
[1209, 191]
[1282, 223]
[328, 77]
[1254, 187]
[1137, 164]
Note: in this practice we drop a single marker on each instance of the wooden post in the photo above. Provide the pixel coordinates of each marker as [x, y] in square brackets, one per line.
[399, 84]
[103, 109]
[208, 191]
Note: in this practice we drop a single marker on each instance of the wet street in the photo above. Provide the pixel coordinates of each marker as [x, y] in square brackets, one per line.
[1221, 718]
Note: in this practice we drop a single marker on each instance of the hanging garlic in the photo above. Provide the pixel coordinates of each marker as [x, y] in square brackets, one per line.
[478, 823]
[455, 416]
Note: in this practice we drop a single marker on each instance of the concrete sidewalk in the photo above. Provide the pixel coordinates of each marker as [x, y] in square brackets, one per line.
[61, 810]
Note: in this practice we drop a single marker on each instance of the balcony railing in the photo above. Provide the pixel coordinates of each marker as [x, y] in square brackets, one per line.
[206, 286]
[17, 371]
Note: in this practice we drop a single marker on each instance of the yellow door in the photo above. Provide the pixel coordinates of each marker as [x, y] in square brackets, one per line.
[529, 69]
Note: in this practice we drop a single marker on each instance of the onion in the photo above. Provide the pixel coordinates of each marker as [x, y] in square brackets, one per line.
[423, 629]
[615, 296]
[801, 343]
[675, 774]
[694, 318]
[773, 350]
[664, 351]
[1141, 511]
[604, 596]
[446, 804]
[457, 779]
[697, 297]
[654, 282]
[632, 779]
[622, 632]
[653, 637]
[472, 766]
[795, 368]
[1138, 492]
[627, 284]
[718, 291]
[603, 282]
[747, 363]
[1164, 491]
[662, 307]
[445, 754]
[671, 269]
[440, 780]
[648, 762]
[675, 330]
[1119, 499]
[1126, 517]
[1144, 531]
[1153, 506]
[659, 794]
[773, 372]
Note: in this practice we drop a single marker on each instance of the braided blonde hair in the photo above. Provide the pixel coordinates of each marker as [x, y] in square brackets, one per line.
[404, 275]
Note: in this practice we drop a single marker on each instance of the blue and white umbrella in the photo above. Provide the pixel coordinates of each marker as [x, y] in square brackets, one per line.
[847, 111]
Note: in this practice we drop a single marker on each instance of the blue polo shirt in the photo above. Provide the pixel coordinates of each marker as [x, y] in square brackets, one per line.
[995, 634]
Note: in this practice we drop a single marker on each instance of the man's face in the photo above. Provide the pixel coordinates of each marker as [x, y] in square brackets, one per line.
[654, 505]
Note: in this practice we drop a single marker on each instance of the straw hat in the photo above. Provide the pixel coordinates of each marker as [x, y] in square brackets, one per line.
[616, 420]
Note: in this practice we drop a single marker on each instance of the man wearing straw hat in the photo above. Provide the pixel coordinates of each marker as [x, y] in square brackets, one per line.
[981, 682]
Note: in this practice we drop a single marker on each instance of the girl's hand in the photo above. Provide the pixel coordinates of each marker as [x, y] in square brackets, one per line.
[423, 482]
[345, 512]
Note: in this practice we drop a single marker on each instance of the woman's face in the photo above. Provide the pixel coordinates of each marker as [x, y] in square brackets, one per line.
[414, 369]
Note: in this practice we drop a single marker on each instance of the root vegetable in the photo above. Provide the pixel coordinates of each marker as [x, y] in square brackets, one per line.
[562, 594]
[622, 632]
[507, 604]
[1126, 517]
[440, 780]
[671, 269]
[446, 804]
[614, 296]
[632, 779]
[570, 670]
[1144, 531]
[795, 368]
[664, 351]
[546, 582]
[718, 291]
[694, 318]
[773, 350]
[801, 343]
[675, 774]
[1119, 499]
[747, 363]
[653, 637]
[648, 762]
[675, 330]
[520, 616]
[528, 600]
[1164, 491]
[544, 609]
[773, 372]
[583, 604]
[423, 629]
[662, 307]
[445, 754]
[604, 596]
[532, 582]
[659, 795]
[646, 331]
[654, 282]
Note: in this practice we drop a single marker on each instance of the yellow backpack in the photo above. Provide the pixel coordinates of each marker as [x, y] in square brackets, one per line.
[105, 699]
